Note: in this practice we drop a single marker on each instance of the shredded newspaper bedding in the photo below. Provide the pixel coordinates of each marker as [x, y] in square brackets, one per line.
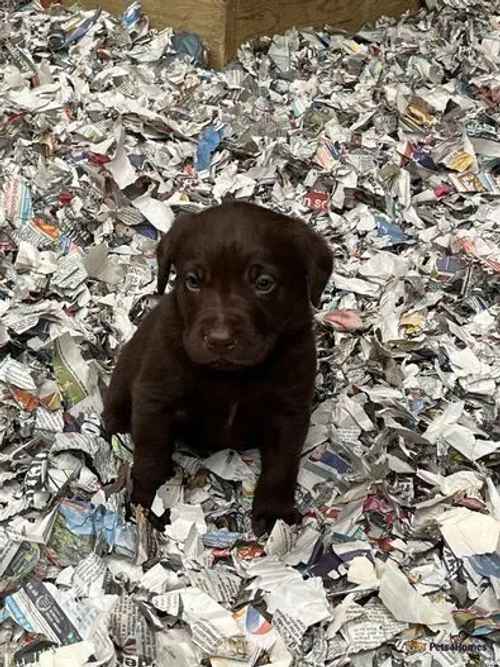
[387, 142]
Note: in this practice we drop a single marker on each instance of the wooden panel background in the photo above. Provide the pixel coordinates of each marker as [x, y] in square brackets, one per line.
[268, 17]
[225, 24]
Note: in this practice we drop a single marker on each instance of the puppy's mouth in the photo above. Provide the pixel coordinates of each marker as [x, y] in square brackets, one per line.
[225, 365]
[237, 360]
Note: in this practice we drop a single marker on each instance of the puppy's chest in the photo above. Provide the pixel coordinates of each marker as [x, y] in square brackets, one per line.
[225, 419]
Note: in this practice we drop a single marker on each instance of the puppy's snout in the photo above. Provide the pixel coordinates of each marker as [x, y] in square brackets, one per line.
[219, 339]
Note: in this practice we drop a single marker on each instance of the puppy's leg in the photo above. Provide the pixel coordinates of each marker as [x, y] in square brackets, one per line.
[151, 431]
[275, 491]
[117, 402]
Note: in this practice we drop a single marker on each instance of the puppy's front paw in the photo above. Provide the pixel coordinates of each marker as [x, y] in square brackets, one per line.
[265, 515]
[142, 494]
[115, 423]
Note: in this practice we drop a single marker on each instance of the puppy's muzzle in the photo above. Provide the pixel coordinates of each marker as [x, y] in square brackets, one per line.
[219, 339]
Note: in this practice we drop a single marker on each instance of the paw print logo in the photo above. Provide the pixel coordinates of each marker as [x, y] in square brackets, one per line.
[415, 646]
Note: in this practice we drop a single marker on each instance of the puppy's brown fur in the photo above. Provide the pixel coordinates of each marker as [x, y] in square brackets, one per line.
[228, 358]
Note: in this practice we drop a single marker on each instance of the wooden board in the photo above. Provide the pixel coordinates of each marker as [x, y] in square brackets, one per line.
[225, 24]
[270, 17]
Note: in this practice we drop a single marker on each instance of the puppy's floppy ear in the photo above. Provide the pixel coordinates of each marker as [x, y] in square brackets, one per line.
[317, 257]
[164, 259]
[168, 247]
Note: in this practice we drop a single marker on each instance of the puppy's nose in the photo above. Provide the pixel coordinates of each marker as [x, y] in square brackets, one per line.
[220, 339]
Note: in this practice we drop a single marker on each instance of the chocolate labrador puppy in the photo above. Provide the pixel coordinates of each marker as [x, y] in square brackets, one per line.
[228, 358]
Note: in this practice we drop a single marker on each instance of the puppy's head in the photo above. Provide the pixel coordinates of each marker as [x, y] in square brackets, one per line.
[245, 276]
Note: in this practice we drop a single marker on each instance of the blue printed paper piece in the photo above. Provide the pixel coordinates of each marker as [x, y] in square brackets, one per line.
[189, 44]
[395, 235]
[208, 143]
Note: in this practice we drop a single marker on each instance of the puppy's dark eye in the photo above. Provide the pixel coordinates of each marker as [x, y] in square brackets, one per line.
[265, 284]
[192, 281]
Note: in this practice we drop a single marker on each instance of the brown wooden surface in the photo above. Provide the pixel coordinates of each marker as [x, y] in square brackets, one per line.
[225, 24]
[269, 17]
